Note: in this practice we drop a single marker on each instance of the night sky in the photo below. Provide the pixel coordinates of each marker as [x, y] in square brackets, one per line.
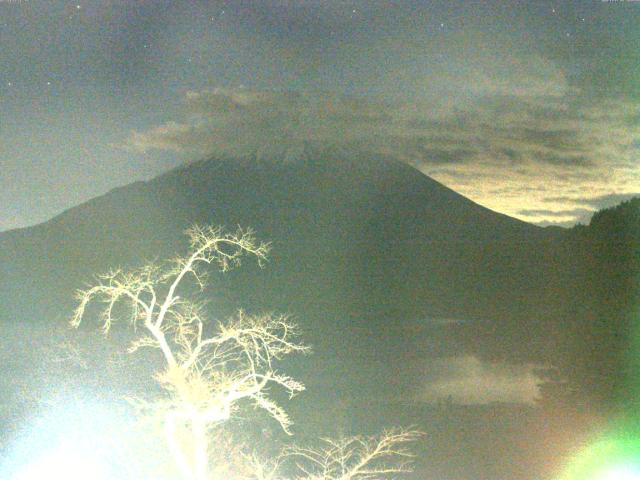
[529, 108]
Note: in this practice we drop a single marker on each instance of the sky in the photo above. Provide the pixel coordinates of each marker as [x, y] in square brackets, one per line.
[531, 108]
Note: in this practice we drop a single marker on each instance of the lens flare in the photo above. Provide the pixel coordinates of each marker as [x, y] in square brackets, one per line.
[609, 459]
[73, 439]
[622, 473]
[65, 462]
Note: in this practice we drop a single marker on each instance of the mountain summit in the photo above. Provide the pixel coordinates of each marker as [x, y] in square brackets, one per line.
[358, 232]
[396, 280]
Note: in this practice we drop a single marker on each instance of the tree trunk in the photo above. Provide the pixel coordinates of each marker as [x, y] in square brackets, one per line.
[200, 449]
[175, 448]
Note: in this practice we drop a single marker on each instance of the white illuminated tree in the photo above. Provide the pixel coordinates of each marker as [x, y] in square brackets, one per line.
[357, 458]
[210, 368]
[205, 377]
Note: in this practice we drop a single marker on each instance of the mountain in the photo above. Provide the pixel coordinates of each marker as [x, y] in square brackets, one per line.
[386, 270]
[354, 208]
[355, 238]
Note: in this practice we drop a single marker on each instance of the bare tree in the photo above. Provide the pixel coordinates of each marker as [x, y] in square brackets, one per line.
[380, 457]
[357, 458]
[205, 376]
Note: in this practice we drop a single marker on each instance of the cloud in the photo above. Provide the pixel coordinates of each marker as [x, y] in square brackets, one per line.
[520, 76]
[562, 218]
[238, 121]
[531, 146]
[598, 202]
[466, 380]
[555, 158]
[445, 156]
[170, 136]
[555, 213]
[563, 223]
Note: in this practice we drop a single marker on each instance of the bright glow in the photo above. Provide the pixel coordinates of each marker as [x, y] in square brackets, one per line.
[77, 439]
[65, 462]
[622, 473]
[614, 457]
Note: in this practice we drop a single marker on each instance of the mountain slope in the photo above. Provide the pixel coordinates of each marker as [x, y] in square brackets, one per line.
[375, 227]
[386, 270]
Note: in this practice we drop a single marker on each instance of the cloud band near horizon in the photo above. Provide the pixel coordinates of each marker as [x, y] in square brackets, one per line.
[544, 156]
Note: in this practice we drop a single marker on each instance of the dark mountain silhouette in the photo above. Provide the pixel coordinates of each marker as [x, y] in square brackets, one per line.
[384, 268]
[354, 209]
[368, 241]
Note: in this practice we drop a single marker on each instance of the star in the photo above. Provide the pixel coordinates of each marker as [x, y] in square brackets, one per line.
[442, 25]
[48, 83]
[78, 7]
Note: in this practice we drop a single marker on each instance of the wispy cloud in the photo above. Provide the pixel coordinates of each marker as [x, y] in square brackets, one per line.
[601, 201]
[562, 217]
[241, 120]
[466, 380]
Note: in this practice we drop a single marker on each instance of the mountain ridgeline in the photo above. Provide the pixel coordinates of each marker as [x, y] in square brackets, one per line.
[390, 275]
[366, 253]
